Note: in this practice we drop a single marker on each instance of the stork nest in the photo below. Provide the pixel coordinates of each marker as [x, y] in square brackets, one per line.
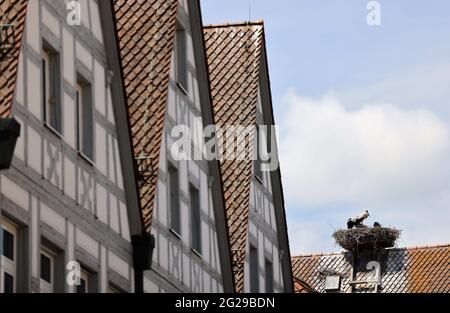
[366, 237]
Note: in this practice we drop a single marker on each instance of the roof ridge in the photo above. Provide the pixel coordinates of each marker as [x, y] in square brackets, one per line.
[259, 22]
[317, 255]
[422, 247]
[390, 249]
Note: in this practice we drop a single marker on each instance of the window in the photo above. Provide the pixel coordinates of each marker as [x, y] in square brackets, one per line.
[51, 93]
[181, 57]
[254, 270]
[85, 119]
[8, 283]
[83, 287]
[257, 163]
[8, 256]
[47, 270]
[196, 226]
[174, 200]
[269, 276]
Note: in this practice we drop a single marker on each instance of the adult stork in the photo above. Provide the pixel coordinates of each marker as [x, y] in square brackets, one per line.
[357, 221]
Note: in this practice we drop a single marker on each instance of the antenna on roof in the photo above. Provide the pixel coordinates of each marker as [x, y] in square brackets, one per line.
[249, 11]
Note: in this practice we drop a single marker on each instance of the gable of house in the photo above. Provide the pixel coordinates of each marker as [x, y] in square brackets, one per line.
[146, 32]
[166, 84]
[255, 216]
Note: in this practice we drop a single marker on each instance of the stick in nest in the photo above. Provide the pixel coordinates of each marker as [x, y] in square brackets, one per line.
[377, 236]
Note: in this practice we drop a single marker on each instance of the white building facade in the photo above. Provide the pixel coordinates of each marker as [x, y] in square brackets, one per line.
[188, 205]
[63, 200]
[95, 181]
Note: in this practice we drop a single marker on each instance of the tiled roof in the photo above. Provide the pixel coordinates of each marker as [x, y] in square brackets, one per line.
[146, 31]
[234, 56]
[413, 270]
[11, 12]
[300, 286]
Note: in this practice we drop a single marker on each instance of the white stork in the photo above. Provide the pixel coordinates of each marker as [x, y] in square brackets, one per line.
[357, 221]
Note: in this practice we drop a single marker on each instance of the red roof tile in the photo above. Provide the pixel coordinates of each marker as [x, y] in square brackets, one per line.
[413, 270]
[234, 56]
[11, 12]
[146, 31]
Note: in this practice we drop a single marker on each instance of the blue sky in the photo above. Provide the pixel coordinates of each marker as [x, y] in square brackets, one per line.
[364, 113]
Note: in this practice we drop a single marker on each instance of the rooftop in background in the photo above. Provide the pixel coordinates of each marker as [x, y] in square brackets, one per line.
[403, 270]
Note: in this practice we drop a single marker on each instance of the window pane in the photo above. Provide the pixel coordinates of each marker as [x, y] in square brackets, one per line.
[181, 57]
[8, 245]
[257, 163]
[79, 119]
[87, 125]
[195, 219]
[269, 277]
[46, 268]
[45, 92]
[254, 270]
[51, 89]
[8, 283]
[85, 118]
[174, 200]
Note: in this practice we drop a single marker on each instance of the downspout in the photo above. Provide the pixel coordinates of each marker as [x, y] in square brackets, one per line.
[143, 247]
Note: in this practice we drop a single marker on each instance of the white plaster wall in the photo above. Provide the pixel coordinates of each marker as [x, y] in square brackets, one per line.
[53, 219]
[33, 25]
[34, 148]
[14, 192]
[83, 54]
[34, 89]
[51, 22]
[70, 128]
[68, 54]
[89, 244]
[118, 265]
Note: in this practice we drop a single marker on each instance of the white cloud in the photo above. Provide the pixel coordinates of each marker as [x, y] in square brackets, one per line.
[391, 160]
[419, 86]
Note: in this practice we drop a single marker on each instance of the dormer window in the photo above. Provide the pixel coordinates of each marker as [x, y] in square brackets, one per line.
[332, 283]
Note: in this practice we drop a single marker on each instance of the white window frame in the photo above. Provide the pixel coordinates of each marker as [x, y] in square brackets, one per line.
[9, 266]
[47, 287]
